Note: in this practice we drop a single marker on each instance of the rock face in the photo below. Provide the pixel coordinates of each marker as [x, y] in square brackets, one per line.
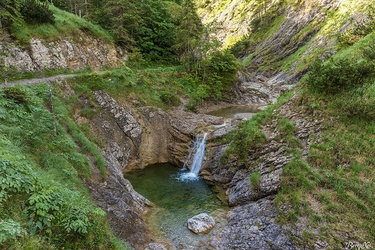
[147, 135]
[135, 138]
[201, 223]
[71, 53]
[252, 226]
[123, 205]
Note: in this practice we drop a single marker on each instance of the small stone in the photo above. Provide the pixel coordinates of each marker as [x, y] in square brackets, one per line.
[155, 246]
[201, 223]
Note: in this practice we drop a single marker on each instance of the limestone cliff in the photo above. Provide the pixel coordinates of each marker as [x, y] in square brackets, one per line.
[73, 53]
[135, 138]
[278, 39]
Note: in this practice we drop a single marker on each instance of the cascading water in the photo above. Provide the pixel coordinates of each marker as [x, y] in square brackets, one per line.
[198, 150]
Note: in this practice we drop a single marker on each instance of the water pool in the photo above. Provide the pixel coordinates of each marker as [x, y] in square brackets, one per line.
[176, 201]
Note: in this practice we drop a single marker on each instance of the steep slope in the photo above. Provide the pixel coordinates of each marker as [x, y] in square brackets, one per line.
[69, 43]
[278, 40]
[296, 163]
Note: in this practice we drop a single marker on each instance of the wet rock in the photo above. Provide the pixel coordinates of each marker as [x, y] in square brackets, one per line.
[201, 223]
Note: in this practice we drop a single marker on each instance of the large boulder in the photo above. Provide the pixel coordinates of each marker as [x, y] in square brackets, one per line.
[201, 223]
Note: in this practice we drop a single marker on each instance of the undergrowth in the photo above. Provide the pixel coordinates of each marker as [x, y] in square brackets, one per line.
[65, 24]
[160, 86]
[43, 157]
[333, 189]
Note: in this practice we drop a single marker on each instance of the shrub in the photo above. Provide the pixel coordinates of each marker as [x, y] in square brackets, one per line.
[336, 75]
[34, 11]
[16, 94]
[169, 98]
[248, 136]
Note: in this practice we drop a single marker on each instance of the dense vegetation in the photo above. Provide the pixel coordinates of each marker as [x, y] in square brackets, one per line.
[153, 31]
[43, 203]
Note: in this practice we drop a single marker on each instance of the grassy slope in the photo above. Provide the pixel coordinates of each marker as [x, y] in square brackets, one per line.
[66, 24]
[333, 190]
[44, 155]
[38, 133]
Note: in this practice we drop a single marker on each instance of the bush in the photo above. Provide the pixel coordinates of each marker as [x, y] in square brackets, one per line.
[36, 12]
[16, 94]
[169, 98]
[336, 75]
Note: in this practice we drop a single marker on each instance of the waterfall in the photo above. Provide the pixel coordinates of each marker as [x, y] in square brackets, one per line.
[198, 151]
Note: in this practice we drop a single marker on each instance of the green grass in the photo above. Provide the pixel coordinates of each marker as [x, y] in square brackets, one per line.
[336, 179]
[66, 24]
[43, 156]
[337, 184]
[150, 86]
[255, 180]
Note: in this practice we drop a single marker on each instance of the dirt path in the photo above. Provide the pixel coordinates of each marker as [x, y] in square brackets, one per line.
[34, 81]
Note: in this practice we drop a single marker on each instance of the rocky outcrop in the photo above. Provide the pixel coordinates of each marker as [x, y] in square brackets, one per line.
[135, 138]
[123, 205]
[201, 223]
[147, 135]
[252, 226]
[73, 53]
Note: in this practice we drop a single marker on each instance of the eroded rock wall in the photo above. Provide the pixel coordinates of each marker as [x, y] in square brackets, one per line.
[252, 220]
[134, 138]
[74, 53]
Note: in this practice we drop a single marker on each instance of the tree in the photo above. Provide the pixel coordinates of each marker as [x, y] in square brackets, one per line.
[189, 32]
[34, 11]
[9, 12]
[146, 24]
[157, 34]
[123, 20]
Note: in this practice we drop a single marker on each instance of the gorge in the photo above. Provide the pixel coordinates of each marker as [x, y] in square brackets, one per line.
[108, 147]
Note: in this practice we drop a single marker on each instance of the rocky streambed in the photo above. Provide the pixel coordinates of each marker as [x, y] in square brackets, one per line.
[137, 137]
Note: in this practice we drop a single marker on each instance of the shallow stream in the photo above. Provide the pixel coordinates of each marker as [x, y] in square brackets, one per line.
[176, 201]
[242, 111]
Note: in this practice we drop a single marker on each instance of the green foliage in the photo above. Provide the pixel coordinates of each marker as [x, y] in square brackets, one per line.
[214, 77]
[34, 12]
[10, 13]
[188, 35]
[337, 75]
[255, 180]
[16, 174]
[147, 25]
[43, 204]
[10, 229]
[16, 94]
[247, 137]
[169, 98]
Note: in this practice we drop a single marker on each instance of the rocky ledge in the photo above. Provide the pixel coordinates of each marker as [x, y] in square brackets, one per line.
[252, 226]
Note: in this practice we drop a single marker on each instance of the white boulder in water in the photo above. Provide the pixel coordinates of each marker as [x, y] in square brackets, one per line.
[201, 223]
